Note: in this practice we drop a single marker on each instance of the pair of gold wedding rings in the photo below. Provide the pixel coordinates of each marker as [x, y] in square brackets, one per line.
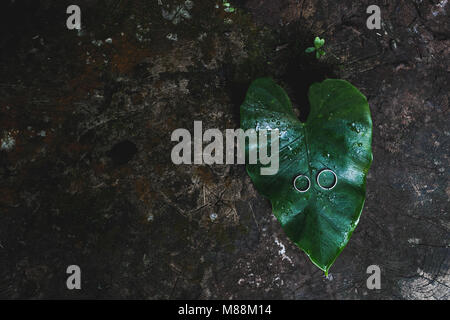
[317, 180]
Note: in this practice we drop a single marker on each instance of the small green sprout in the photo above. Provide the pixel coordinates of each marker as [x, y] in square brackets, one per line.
[228, 7]
[318, 44]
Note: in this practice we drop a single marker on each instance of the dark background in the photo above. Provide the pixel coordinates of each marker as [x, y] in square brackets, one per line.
[89, 180]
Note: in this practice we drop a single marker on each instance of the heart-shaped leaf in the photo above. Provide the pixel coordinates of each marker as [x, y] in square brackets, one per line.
[336, 136]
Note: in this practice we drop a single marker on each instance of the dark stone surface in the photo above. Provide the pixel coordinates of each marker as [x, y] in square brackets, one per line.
[85, 170]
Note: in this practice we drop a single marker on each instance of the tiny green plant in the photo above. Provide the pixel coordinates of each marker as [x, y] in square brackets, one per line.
[228, 7]
[318, 44]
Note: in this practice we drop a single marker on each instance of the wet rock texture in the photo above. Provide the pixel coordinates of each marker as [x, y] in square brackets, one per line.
[85, 126]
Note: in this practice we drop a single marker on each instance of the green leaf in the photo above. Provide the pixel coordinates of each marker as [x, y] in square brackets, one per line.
[318, 55]
[319, 43]
[322, 42]
[337, 135]
[310, 49]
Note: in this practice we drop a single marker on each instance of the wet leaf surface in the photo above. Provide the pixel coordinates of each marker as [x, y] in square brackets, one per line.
[337, 136]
